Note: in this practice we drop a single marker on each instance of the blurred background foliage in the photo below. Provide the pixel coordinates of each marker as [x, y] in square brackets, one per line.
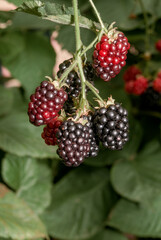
[116, 195]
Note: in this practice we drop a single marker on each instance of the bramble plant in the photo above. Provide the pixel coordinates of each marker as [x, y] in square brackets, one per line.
[83, 162]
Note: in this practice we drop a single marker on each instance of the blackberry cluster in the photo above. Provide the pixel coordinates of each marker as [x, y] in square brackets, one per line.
[49, 132]
[73, 80]
[111, 126]
[73, 143]
[110, 56]
[45, 103]
[94, 142]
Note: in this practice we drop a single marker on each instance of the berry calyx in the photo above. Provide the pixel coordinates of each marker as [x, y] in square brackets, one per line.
[157, 84]
[45, 103]
[111, 126]
[49, 132]
[110, 55]
[158, 45]
[140, 85]
[73, 143]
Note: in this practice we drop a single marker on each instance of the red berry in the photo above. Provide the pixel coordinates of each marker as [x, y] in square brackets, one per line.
[140, 85]
[45, 103]
[131, 73]
[157, 84]
[158, 45]
[112, 52]
[49, 132]
[159, 74]
[129, 87]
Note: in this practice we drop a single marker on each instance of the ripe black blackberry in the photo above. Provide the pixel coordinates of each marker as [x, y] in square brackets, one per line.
[45, 103]
[69, 107]
[111, 126]
[150, 99]
[94, 142]
[73, 143]
[73, 80]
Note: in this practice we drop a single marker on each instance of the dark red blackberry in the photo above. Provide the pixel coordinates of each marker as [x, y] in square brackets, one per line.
[158, 45]
[45, 103]
[111, 126]
[110, 55]
[73, 143]
[73, 80]
[150, 99]
[94, 142]
[49, 132]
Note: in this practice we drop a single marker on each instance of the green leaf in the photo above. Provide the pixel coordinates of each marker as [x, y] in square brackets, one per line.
[80, 204]
[30, 179]
[119, 12]
[6, 99]
[17, 220]
[143, 176]
[31, 61]
[108, 234]
[20, 137]
[55, 13]
[142, 220]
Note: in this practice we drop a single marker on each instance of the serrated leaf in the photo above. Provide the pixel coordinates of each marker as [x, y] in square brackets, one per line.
[142, 220]
[55, 12]
[20, 137]
[17, 220]
[80, 204]
[30, 179]
[31, 61]
[143, 176]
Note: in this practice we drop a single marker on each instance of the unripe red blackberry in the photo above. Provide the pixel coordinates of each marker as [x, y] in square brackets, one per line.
[73, 143]
[157, 84]
[111, 126]
[45, 103]
[94, 142]
[110, 55]
[73, 80]
[131, 73]
[140, 85]
[158, 45]
[49, 132]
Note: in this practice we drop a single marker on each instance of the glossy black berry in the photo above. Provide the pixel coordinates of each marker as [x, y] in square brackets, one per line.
[73, 143]
[111, 126]
[94, 142]
[73, 80]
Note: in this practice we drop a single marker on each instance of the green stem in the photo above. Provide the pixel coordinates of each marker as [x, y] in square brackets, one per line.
[77, 29]
[94, 90]
[89, 46]
[147, 39]
[97, 14]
